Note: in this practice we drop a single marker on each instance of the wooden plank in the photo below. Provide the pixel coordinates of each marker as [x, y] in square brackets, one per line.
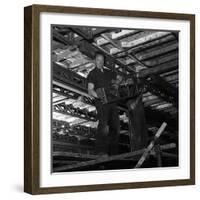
[74, 155]
[156, 105]
[105, 159]
[169, 73]
[171, 77]
[151, 145]
[161, 59]
[150, 98]
[141, 38]
[169, 109]
[58, 143]
[123, 33]
[157, 50]
[65, 162]
[151, 102]
[172, 65]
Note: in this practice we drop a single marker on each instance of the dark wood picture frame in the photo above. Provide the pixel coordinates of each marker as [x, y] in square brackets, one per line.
[32, 105]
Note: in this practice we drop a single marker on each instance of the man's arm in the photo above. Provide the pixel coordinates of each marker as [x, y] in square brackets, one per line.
[91, 90]
[116, 81]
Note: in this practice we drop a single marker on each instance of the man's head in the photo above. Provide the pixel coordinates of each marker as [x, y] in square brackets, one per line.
[99, 60]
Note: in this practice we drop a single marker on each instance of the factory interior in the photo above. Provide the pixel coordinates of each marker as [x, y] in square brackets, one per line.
[147, 57]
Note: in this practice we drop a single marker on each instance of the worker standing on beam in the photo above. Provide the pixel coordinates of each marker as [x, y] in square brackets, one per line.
[107, 135]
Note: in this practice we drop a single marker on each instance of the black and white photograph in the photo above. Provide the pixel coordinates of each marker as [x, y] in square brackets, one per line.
[114, 98]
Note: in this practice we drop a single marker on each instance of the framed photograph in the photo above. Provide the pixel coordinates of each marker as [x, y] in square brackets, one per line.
[109, 99]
